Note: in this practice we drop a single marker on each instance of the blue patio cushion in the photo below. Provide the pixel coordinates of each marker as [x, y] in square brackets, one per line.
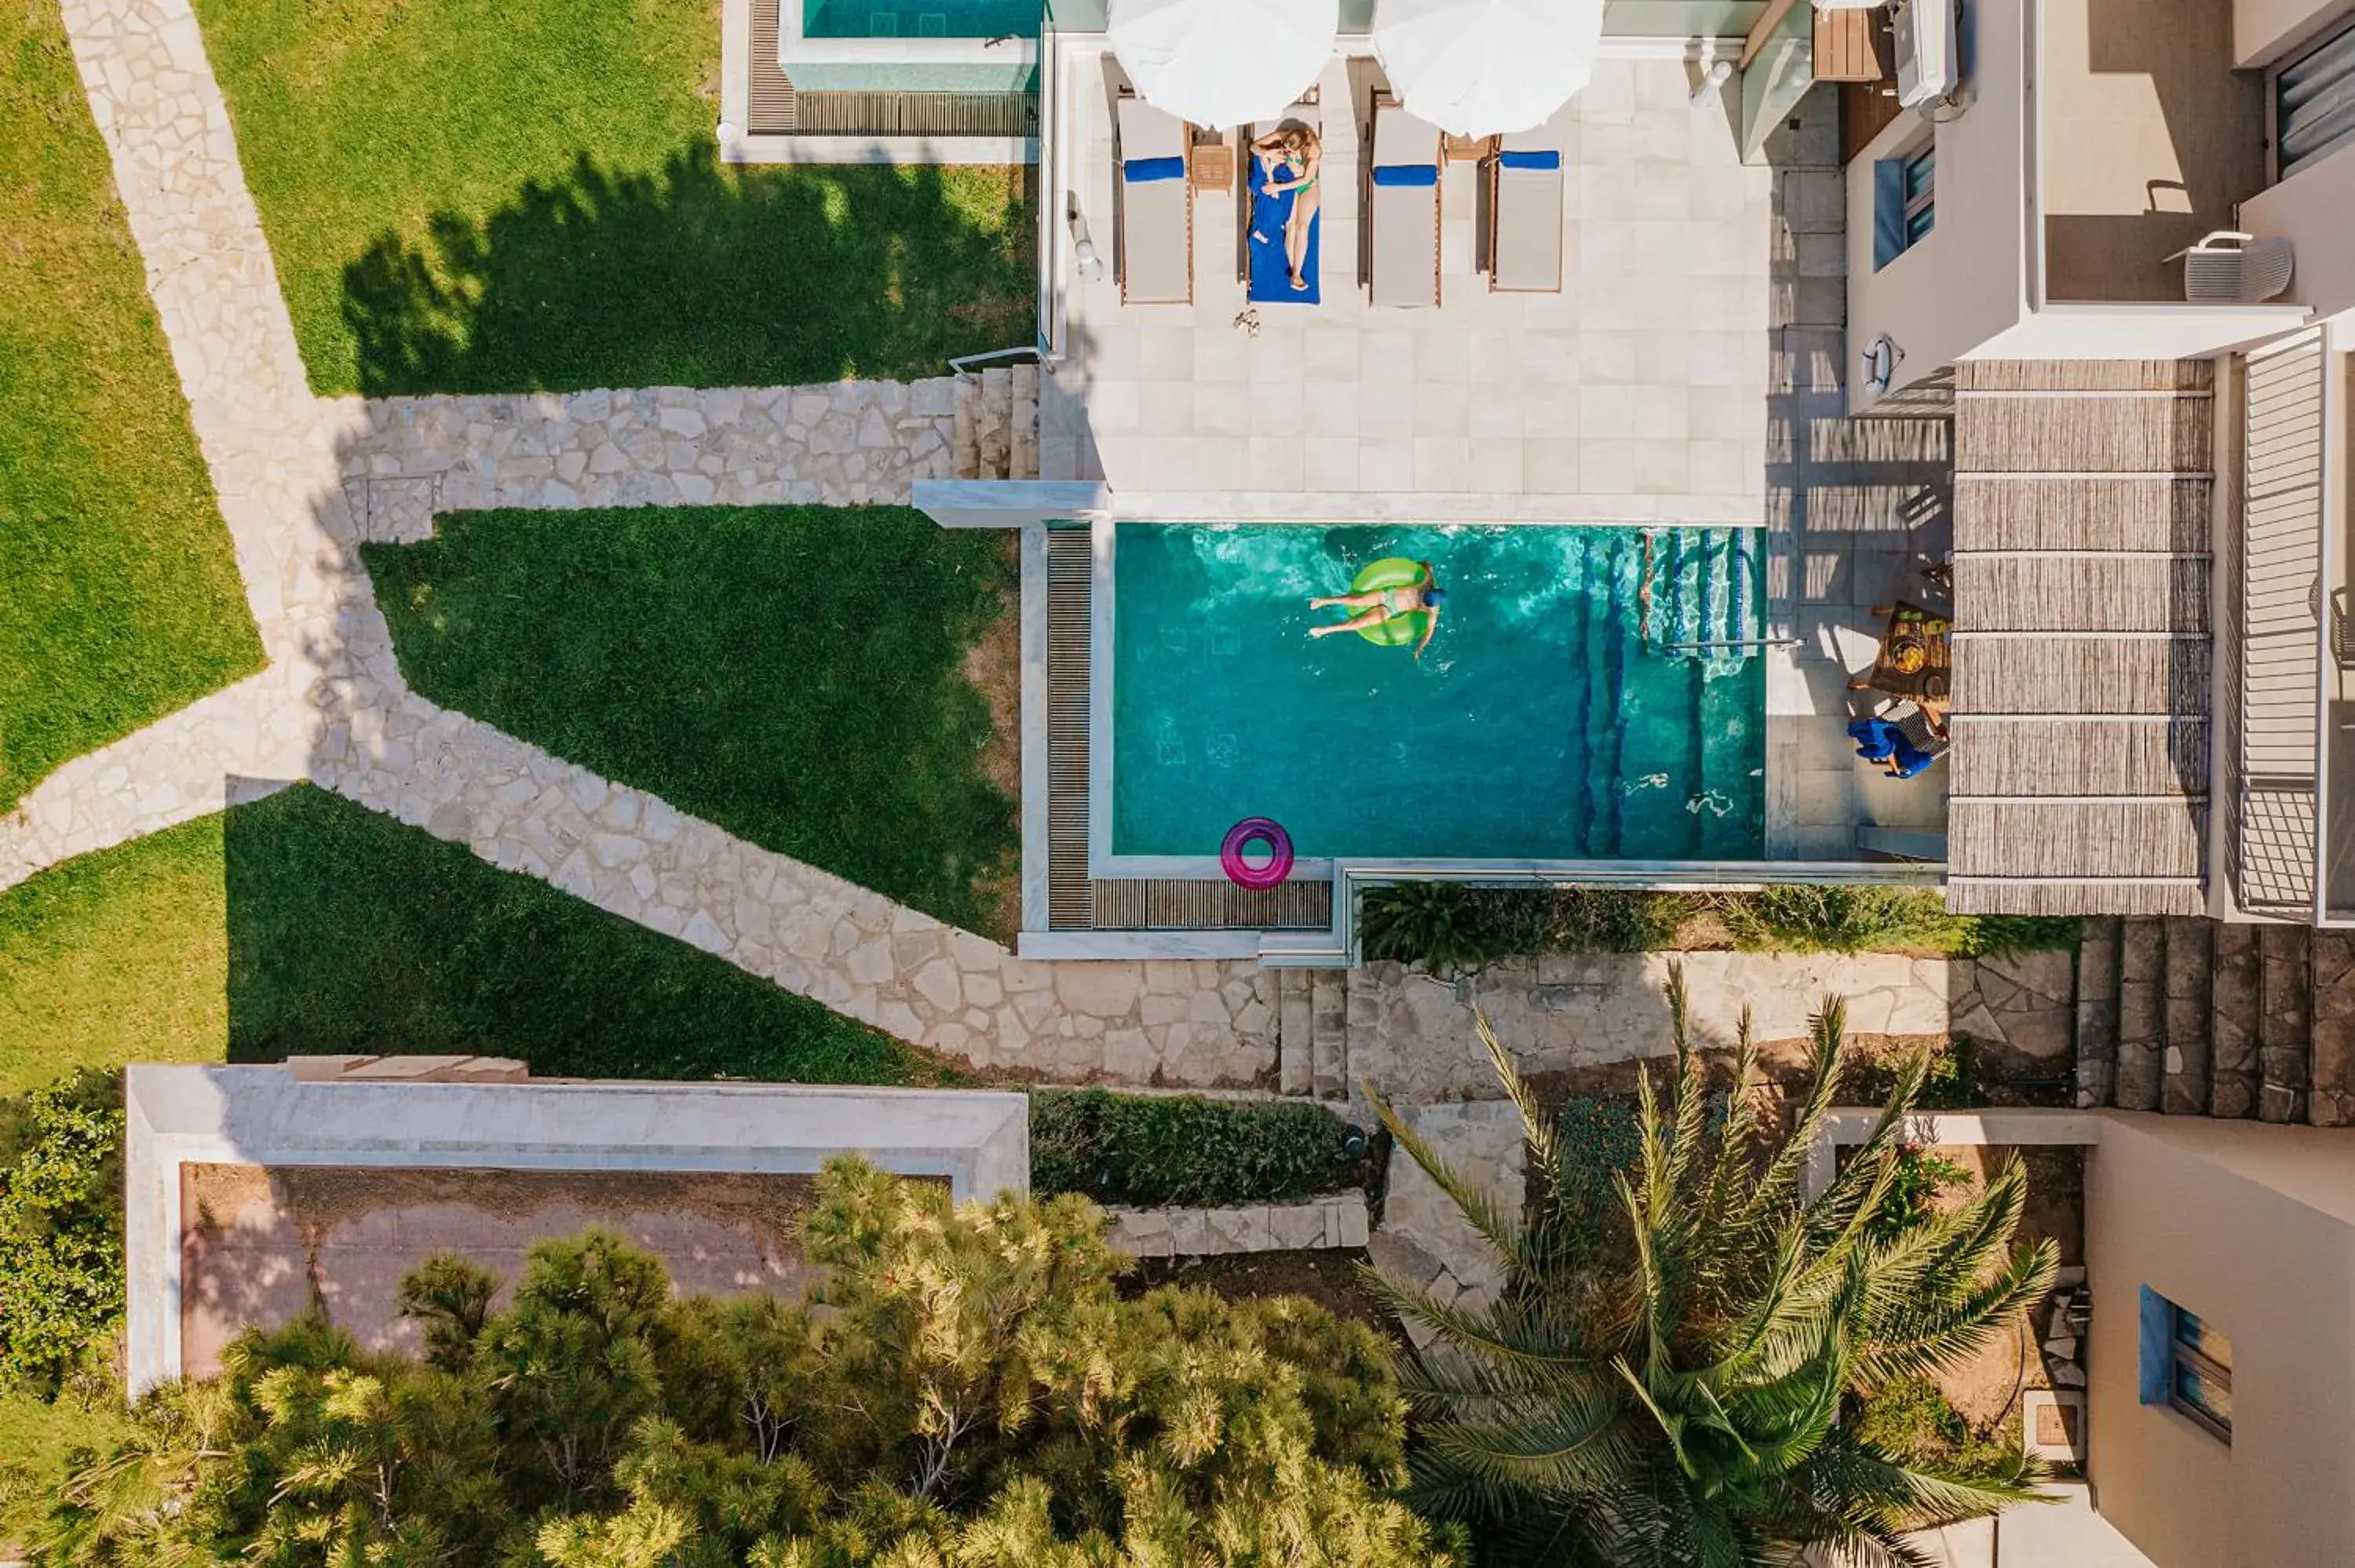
[1138, 169]
[1406, 174]
[1546, 158]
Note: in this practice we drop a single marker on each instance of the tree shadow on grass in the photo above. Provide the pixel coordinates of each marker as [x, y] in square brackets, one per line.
[699, 275]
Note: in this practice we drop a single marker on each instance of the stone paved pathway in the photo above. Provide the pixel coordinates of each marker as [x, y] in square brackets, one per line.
[406, 458]
[302, 480]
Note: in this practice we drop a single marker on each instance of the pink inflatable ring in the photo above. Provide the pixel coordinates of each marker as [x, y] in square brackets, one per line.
[1261, 831]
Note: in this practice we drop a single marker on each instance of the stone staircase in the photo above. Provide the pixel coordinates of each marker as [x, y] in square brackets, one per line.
[2194, 1017]
[1312, 1022]
[994, 431]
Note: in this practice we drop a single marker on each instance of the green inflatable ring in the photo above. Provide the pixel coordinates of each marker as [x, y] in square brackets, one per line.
[1405, 629]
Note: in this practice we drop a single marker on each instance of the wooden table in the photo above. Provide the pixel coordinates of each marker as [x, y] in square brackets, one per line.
[1464, 149]
[1214, 167]
[1929, 684]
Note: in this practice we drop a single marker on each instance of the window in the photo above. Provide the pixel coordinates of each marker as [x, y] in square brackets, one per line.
[1905, 206]
[2314, 103]
[2186, 1363]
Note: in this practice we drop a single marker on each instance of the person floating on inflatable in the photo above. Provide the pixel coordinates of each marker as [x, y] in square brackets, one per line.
[1397, 602]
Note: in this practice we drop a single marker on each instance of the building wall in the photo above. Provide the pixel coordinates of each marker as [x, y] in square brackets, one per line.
[1964, 281]
[2265, 30]
[2253, 1227]
[2314, 209]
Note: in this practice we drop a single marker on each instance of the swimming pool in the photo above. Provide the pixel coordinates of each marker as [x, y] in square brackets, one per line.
[921, 18]
[1540, 724]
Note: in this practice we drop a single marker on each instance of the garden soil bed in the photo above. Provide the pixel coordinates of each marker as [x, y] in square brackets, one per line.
[1326, 1276]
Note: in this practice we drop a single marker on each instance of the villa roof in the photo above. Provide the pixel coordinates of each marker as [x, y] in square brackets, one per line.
[2083, 654]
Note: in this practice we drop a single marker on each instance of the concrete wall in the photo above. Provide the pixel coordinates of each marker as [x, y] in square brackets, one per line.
[1966, 280]
[2314, 209]
[2253, 1228]
[2142, 331]
[2265, 30]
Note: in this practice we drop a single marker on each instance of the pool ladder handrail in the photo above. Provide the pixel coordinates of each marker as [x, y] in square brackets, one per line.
[1644, 618]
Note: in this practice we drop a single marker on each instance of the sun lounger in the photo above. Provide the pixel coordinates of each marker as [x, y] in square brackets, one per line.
[1403, 207]
[1268, 273]
[1157, 205]
[1525, 209]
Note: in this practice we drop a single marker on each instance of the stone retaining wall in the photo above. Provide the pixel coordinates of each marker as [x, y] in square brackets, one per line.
[1336, 1220]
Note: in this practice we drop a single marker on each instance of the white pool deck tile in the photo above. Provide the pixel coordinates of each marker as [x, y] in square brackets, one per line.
[1570, 407]
[1689, 372]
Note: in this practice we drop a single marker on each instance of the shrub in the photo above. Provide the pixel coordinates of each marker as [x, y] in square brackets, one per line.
[1911, 1419]
[1152, 1150]
[60, 1226]
[1447, 925]
[1802, 918]
[1913, 1196]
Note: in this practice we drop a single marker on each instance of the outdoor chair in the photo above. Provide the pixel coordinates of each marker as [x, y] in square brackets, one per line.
[1155, 219]
[1525, 209]
[1402, 187]
[2230, 267]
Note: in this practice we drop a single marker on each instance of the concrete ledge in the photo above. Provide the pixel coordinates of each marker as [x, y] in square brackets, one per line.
[1848, 1126]
[990, 150]
[264, 1115]
[1338, 1220]
[1327, 508]
[1125, 945]
[1007, 502]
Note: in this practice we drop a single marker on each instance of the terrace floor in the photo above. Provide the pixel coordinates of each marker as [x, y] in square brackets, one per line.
[1636, 393]
[1689, 372]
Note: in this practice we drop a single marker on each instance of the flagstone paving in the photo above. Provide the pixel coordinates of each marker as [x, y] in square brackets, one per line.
[302, 480]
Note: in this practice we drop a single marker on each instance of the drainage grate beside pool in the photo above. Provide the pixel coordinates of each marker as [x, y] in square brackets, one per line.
[915, 114]
[771, 109]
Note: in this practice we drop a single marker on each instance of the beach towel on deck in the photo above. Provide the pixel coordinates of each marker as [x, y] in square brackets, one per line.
[1270, 275]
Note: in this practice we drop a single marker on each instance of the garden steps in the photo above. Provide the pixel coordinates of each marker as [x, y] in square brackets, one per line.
[994, 427]
[2193, 1017]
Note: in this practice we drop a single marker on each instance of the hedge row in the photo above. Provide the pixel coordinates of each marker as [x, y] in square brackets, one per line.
[1155, 1151]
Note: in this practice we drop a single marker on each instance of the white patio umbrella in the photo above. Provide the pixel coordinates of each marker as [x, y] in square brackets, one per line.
[1477, 67]
[1221, 63]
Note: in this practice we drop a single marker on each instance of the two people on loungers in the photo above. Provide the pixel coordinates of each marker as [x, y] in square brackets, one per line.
[1291, 157]
[1377, 605]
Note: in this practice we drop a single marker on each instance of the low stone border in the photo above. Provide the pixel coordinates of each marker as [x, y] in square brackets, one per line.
[1330, 1222]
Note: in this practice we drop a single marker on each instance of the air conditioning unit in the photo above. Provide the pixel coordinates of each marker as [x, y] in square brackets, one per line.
[1928, 50]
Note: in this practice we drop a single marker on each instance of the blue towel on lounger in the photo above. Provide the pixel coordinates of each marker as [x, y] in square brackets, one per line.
[1271, 276]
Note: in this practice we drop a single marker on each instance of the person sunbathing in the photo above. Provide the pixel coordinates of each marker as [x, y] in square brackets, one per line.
[1299, 153]
[1377, 605]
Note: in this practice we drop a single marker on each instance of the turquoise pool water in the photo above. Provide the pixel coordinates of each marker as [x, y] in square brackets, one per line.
[921, 18]
[1537, 726]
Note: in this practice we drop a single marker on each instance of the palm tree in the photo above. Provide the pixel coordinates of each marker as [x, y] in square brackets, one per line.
[1662, 1380]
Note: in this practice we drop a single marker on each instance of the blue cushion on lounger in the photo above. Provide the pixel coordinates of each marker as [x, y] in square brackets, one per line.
[1406, 174]
[1548, 159]
[1139, 170]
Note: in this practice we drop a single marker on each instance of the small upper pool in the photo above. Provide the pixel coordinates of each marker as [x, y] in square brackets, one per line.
[921, 18]
[1553, 717]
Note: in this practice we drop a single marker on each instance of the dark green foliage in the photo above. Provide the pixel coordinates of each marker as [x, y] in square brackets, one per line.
[1153, 1151]
[1663, 1379]
[60, 1228]
[1910, 1418]
[796, 675]
[350, 931]
[1447, 926]
[965, 1387]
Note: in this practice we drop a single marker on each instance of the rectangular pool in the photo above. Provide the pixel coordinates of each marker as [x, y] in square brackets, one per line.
[1541, 724]
[921, 18]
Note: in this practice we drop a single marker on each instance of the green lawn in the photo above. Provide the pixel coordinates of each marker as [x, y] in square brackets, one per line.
[119, 597]
[796, 674]
[484, 196]
[303, 923]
